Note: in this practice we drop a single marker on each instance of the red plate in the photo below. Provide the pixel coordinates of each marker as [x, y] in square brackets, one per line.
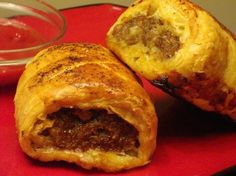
[190, 142]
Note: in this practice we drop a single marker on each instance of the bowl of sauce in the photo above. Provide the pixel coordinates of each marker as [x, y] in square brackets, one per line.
[26, 27]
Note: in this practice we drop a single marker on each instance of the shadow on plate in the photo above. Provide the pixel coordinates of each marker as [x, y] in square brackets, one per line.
[179, 118]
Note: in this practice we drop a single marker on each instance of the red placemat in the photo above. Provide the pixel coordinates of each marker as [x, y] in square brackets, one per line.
[190, 142]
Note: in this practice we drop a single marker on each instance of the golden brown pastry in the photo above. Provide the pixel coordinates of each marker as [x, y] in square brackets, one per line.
[78, 103]
[181, 49]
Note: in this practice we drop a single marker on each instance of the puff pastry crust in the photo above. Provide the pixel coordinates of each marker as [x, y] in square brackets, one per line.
[62, 87]
[181, 49]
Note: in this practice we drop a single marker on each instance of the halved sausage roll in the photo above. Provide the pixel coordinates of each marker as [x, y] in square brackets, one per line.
[181, 49]
[78, 103]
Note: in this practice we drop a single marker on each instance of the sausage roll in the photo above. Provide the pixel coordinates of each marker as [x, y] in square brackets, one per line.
[77, 103]
[181, 49]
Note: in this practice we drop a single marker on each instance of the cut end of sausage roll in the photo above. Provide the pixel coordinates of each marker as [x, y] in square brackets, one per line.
[83, 130]
[77, 103]
[181, 49]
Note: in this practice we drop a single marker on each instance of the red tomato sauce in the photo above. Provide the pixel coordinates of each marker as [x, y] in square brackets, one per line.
[17, 35]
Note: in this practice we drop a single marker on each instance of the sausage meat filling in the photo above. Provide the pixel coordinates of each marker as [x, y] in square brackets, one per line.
[151, 32]
[75, 129]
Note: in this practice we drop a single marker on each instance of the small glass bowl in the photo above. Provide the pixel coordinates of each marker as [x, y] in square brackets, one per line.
[26, 27]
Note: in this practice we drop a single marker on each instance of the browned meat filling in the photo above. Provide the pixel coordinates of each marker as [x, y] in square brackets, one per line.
[151, 32]
[75, 129]
[168, 43]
